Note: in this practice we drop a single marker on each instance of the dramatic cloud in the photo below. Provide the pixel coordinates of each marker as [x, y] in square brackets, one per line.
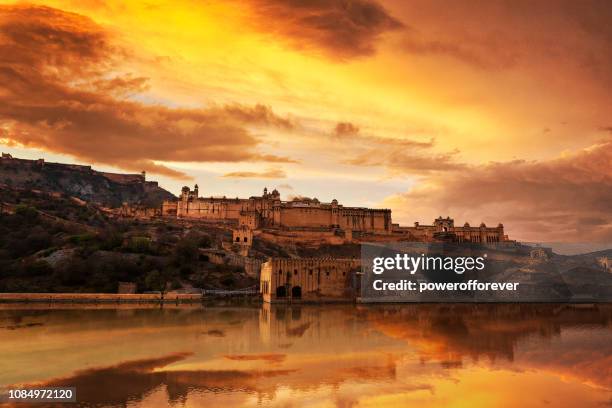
[339, 28]
[62, 92]
[500, 35]
[270, 173]
[565, 199]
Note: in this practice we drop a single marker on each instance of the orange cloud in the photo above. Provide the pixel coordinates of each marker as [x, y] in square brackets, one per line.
[340, 29]
[270, 173]
[62, 93]
[565, 199]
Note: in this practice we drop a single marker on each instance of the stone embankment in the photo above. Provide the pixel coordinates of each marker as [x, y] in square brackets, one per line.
[97, 298]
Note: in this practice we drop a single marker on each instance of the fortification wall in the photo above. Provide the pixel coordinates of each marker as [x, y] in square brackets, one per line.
[305, 217]
[123, 178]
[304, 237]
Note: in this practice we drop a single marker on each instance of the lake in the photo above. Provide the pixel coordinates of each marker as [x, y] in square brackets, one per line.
[242, 354]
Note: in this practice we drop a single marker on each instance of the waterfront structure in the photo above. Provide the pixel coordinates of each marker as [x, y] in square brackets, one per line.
[309, 280]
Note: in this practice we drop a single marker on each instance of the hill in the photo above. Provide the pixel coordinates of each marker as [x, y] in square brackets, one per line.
[107, 189]
[54, 243]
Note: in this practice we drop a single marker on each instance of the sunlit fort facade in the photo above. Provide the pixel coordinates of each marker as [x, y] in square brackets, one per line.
[310, 216]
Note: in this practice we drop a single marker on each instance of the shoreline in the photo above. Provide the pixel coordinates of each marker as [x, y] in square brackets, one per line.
[99, 298]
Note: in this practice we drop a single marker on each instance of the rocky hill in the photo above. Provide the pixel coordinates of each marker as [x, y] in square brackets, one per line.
[107, 189]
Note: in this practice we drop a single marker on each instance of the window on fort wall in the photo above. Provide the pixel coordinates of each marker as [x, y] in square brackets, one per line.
[310, 272]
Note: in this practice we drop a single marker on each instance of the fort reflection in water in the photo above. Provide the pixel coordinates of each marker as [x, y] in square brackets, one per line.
[345, 355]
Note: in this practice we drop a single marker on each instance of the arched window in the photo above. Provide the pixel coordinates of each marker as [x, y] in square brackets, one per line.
[296, 292]
[245, 239]
[281, 292]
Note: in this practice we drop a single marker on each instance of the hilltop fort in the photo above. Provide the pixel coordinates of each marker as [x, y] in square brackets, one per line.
[83, 182]
[310, 220]
[299, 249]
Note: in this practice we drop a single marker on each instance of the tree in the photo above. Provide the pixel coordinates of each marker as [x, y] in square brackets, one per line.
[155, 280]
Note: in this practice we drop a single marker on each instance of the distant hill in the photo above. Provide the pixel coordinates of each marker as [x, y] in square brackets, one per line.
[107, 189]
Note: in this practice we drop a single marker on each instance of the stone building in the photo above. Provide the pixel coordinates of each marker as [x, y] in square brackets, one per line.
[268, 210]
[243, 235]
[445, 228]
[309, 279]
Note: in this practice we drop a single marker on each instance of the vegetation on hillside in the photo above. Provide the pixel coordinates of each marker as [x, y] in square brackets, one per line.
[57, 244]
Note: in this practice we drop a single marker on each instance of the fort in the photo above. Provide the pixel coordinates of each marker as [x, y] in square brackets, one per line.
[120, 178]
[301, 249]
[310, 220]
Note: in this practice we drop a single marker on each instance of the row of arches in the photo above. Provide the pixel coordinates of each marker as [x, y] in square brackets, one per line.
[282, 291]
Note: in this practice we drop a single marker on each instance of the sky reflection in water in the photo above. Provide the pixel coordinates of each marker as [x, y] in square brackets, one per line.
[345, 356]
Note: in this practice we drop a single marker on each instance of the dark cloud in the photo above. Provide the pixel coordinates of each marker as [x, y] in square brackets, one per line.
[536, 200]
[270, 173]
[345, 129]
[341, 29]
[499, 34]
[60, 94]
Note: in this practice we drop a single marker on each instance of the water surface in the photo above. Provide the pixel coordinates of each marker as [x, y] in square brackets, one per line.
[319, 356]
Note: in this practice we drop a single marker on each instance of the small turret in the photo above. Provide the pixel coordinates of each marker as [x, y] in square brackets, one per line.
[184, 193]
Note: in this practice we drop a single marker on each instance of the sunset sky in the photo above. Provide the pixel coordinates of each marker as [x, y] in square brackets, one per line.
[494, 111]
